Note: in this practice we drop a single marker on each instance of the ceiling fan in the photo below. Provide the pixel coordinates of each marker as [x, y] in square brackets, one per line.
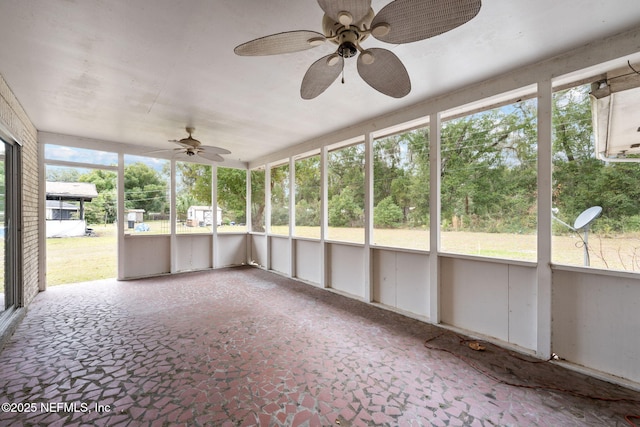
[347, 23]
[190, 146]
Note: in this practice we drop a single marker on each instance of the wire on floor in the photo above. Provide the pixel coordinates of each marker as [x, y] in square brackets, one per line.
[466, 341]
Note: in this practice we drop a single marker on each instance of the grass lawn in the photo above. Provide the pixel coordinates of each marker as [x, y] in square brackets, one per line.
[80, 259]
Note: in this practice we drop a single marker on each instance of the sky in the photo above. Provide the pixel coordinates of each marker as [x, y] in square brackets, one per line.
[100, 158]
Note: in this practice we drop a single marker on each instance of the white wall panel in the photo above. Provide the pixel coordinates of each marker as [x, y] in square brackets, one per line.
[412, 276]
[146, 255]
[258, 249]
[475, 296]
[401, 280]
[523, 306]
[596, 321]
[308, 260]
[280, 254]
[346, 272]
[385, 286]
[232, 249]
[193, 252]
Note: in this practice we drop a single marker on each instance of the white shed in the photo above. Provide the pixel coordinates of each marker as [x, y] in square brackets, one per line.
[200, 216]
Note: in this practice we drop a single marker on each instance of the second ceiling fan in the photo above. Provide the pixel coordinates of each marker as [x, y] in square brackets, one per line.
[347, 23]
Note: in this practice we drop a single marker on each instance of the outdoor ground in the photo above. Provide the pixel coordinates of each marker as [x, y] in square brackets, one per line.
[80, 259]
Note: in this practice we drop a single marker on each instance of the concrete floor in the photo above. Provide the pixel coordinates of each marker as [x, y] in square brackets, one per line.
[247, 347]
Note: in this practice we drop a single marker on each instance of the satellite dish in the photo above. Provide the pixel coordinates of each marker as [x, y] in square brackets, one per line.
[587, 217]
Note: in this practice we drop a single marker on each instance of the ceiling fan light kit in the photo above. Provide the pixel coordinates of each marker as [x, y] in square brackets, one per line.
[347, 23]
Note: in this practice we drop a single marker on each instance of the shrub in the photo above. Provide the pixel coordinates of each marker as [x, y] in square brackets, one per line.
[387, 214]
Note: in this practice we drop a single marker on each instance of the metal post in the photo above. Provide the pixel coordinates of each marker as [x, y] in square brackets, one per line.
[586, 246]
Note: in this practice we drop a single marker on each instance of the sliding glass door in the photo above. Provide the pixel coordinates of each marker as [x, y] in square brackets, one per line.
[10, 250]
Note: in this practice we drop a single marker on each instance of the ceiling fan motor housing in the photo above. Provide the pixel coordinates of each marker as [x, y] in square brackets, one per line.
[337, 32]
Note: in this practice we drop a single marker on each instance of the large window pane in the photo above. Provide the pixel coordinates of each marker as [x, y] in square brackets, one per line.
[80, 155]
[280, 199]
[194, 212]
[257, 200]
[5, 300]
[308, 193]
[580, 182]
[10, 212]
[146, 195]
[346, 193]
[232, 199]
[401, 190]
[489, 183]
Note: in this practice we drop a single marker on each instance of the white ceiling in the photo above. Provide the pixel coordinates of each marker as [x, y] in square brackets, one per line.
[138, 72]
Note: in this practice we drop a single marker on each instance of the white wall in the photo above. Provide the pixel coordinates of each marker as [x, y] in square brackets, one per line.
[193, 252]
[308, 260]
[65, 228]
[280, 254]
[346, 268]
[231, 249]
[493, 298]
[596, 320]
[401, 280]
[258, 252]
[146, 256]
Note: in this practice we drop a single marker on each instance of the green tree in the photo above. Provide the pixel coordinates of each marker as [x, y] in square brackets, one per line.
[575, 168]
[232, 194]
[401, 171]
[195, 179]
[307, 188]
[144, 188]
[489, 168]
[102, 209]
[344, 211]
[280, 195]
[387, 214]
[257, 200]
[103, 180]
[346, 186]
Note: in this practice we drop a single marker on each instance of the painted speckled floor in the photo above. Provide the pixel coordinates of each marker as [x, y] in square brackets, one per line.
[240, 347]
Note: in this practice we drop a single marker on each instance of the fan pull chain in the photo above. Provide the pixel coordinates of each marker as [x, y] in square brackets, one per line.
[343, 72]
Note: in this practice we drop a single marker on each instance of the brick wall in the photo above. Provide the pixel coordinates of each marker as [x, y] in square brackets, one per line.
[14, 118]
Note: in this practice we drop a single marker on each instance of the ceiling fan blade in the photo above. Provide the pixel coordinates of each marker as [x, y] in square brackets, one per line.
[320, 75]
[210, 156]
[413, 20]
[181, 144]
[212, 149]
[386, 73]
[358, 9]
[275, 44]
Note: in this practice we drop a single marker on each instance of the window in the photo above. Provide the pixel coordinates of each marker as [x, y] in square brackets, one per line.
[257, 200]
[401, 190]
[146, 195]
[10, 211]
[488, 188]
[194, 212]
[81, 213]
[80, 155]
[232, 199]
[346, 193]
[280, 199]
[308, 194]
[581, 182]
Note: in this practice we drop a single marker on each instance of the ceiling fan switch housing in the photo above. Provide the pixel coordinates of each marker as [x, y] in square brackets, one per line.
[347, 50]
